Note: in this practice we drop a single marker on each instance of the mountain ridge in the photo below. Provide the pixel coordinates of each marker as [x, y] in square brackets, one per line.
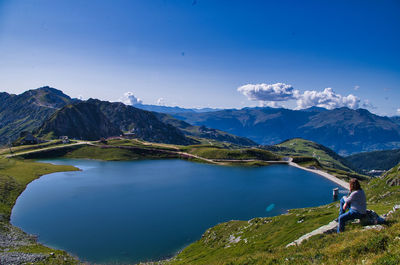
[94, 119]
[344, 130]
[27, 111]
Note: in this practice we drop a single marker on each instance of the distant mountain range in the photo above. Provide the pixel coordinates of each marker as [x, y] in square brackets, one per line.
[396, 119]
[170, 110]
[344, 130]
[204, 132]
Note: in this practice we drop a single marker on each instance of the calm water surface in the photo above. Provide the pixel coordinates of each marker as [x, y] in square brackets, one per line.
[125, 212]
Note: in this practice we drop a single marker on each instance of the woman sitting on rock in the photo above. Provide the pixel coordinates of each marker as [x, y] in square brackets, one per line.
[355, 202]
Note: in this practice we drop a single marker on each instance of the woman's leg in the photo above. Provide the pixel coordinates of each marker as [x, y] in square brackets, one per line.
[350, 215]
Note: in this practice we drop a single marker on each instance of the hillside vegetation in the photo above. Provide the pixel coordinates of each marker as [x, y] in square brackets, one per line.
[302, 147]
[14, 176]
[213, 152]
[310, 154]
[264, 240]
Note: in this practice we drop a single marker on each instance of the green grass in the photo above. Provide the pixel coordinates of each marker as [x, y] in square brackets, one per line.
[213, 152]
[312, 155]
[15, 174]
[114, 153]
[325, 156]
[23, 148]
[131, 149]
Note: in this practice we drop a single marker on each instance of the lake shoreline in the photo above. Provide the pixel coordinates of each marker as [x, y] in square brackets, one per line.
[324, 174]
[210, 226]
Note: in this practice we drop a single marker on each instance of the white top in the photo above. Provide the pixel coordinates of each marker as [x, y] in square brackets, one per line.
[357, 201]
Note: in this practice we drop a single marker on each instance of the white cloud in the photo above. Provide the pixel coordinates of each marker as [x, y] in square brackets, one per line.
[266, 92]
[368, 105]
[356, 88]
[326, 99]
[272, 94]
[80, 97]
[130, 99]
[398, 111]
[272, 104]
[161, 102]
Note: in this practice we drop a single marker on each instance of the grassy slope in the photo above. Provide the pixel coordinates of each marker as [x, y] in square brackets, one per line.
[310, 154]
[15, 174]
[124, 149]
[267, 237]
[214, 152]
[325, 156]
[113, 154]
[21, 148]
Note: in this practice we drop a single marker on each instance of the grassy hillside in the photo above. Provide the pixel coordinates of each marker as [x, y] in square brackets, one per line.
[310, 154]
[15, 174]
[302, 147]
[264, 240]
[213, 152]
[379, 160]
[133, 149]
[106, 153]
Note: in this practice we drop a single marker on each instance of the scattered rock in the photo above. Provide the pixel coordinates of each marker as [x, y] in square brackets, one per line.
[374, 227]
[233, 239]
[11, 237]
[385, 195]
[393, 182]
[325, 229]
[17, 258]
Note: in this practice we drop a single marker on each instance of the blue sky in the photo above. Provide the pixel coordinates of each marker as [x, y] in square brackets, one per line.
[198, 53]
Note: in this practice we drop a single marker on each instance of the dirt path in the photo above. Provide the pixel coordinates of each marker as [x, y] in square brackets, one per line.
[46, 148]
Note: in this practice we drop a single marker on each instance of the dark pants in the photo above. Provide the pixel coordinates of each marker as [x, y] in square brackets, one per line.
[346, 216]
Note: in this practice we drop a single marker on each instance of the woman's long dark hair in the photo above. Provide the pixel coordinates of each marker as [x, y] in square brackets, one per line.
[354, 185]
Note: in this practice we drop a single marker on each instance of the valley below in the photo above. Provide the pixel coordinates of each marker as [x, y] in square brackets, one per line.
[238, 194]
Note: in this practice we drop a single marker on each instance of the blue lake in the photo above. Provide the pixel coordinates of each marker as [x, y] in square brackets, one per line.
[126, 212]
